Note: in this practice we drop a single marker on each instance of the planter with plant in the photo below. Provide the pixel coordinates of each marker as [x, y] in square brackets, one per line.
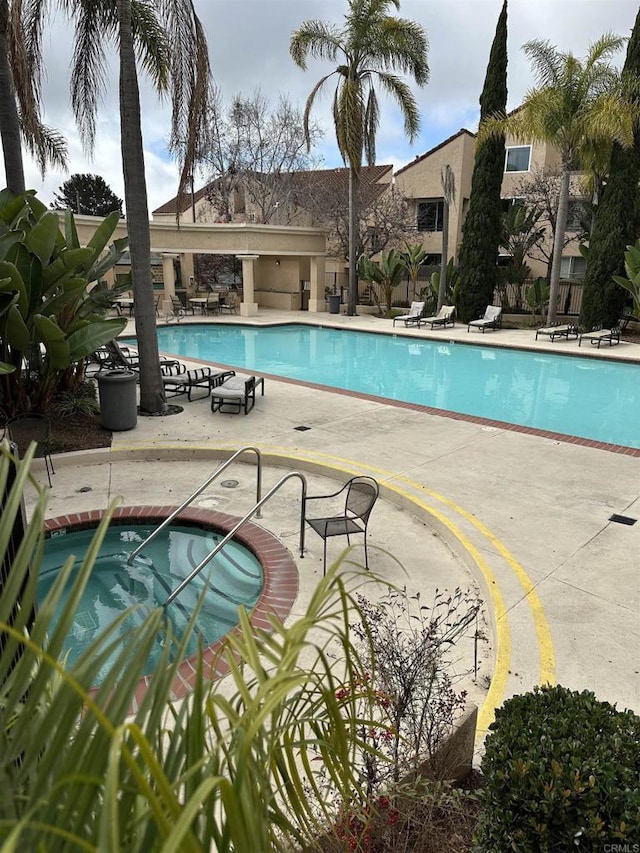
[50, 319]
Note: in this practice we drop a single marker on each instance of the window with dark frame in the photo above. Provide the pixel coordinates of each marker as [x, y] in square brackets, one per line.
[429, 215]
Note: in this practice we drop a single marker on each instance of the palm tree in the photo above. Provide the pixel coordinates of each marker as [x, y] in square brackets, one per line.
[19, 103]
[170, 41]
[576, 105]
[448, 180]
[369, 46]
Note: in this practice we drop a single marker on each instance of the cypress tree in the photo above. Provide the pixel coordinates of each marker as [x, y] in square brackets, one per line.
[616, 222]
[483, 224]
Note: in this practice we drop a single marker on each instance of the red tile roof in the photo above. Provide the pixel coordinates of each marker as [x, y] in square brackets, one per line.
[370, 176]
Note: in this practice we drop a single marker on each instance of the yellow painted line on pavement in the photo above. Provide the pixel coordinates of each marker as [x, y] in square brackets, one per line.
[496, 692]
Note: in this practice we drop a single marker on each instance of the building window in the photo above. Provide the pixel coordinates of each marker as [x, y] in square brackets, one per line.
[576, 215]
[518, 159]
[430, 215]
[515, 201]
[572, 268]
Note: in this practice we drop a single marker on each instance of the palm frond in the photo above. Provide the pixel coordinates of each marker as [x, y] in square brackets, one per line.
[371, 124]
[152, 46]
[547, 62]
[93, 29]
[309, 105]
[401, 93]
[26, 67]
[349, 112]
[191, 85]
[47, 146]
[316, 39]
[402, 45]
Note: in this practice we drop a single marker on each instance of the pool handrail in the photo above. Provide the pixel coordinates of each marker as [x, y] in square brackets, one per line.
[222, 467]
[254, 511]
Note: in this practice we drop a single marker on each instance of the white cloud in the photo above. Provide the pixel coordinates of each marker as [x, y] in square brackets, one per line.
[249, 48]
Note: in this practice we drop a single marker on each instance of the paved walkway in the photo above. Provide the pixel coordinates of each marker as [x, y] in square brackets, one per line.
[524, 517]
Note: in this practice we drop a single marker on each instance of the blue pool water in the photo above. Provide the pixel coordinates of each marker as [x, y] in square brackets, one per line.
[591, 398]
[233, 578]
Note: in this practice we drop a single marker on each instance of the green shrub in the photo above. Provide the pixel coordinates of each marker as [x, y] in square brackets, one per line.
[562, 773]
[79, 400]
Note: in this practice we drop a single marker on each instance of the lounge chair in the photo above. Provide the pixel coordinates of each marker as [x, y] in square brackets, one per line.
[558, 330]
[113, 355]
[492, 319]
[361, 494]
[444, 317]
[414, 315]
[234, 392]
[178, 380]
[598, 335]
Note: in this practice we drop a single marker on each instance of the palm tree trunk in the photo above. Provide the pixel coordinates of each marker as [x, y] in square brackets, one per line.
[9, 124]
[352, 301]
[558, 242]
[152, 394]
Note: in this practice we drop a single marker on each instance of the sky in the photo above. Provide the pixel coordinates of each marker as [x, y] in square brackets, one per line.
[249, 51]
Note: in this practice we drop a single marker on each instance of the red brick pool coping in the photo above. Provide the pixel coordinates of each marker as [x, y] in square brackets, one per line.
[279, 592]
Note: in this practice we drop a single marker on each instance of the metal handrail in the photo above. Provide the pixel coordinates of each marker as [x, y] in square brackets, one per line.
[223, 466]
[176, 592]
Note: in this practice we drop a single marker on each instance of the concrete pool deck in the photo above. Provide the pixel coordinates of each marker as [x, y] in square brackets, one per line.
[525, 516]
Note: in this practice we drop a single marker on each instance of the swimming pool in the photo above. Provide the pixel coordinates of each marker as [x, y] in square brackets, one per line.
[586, 397]
[233, 578]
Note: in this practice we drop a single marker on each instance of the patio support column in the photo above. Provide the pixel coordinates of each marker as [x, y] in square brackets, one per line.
[316, 296]
[169, 281]
[248, 307]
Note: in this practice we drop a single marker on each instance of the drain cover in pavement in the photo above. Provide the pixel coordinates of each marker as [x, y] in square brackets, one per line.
[622, 519]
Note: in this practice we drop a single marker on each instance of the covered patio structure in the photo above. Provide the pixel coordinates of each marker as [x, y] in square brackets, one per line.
[282, 266]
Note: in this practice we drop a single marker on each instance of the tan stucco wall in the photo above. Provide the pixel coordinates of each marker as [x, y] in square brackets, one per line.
[422, 180]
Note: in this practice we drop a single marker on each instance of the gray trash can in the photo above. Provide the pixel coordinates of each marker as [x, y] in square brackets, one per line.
[118, 404]
[334, 303]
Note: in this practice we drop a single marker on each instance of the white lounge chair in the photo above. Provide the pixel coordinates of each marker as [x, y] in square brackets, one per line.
[599, 336]
[558, 330]
[444, 317]
[492, 319]
[414, 315]
[235, 393]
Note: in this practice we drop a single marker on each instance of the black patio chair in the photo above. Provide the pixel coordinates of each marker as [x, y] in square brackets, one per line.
[25, 428]
[360, 494]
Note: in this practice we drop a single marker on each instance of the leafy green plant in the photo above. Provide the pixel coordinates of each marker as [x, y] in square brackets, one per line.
[79, 400]
[632, 282]
[561, 772]
[431, 290]
[385, 275]
[49, 318]
[413, 257]
[229, 770]
[537, 296]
